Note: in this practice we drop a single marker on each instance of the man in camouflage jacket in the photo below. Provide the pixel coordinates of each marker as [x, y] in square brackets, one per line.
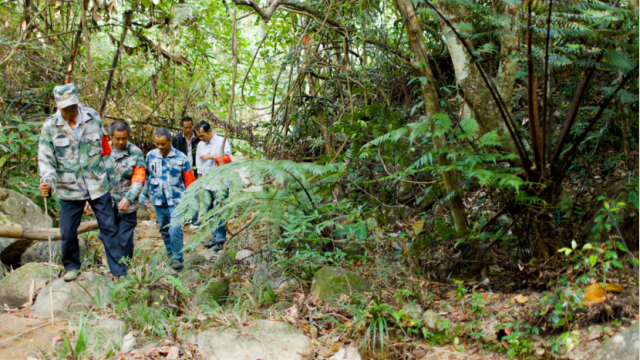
[168, 175]
[130, 177]
[74, 159]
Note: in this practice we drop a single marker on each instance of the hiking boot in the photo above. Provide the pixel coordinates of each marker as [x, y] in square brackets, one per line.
[218, 247]
[209, 243]
[177, 266]
[71, 275]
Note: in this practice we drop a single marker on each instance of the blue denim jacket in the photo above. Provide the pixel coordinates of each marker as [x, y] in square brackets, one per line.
[165, 178]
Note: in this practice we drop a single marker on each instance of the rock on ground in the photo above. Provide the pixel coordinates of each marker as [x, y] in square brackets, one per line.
[70, 296]
[330, 282]
[208, 254]
[18, 209]
[214, 291]
[262, 339]
[622, 346]
[354, 250]
[194, 259]
[246, 256]
[107, 331]
[14, 288]
[39, 251]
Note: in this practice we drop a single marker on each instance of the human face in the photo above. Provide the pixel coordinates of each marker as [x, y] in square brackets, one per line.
[163, 144]
[120, 139]
[204, 135]
[187, 128]
[70, 113]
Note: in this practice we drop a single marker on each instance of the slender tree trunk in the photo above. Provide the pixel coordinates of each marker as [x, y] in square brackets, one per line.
[87, 41]
[432, 106]
[74, 53]
[234, 52]
[114, 63]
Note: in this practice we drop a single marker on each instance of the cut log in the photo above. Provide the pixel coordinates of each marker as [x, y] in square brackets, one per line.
[29, 233]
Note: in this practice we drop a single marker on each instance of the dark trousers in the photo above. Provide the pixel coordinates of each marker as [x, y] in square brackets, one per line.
[126, 224]
[219, 235]
[70, 217]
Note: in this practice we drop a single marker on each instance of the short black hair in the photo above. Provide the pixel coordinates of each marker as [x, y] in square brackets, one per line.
[163, 132]
[119, 126]
[203, 125]
[186, 119]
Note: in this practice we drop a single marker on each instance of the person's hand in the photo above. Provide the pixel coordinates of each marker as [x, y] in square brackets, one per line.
[205, 157]
[123, 205]
[87, 208]
[44, 189]
[147, 207]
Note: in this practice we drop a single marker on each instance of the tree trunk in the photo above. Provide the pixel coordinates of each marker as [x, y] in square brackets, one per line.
[476, 94]
[432, 106]
[29, 233]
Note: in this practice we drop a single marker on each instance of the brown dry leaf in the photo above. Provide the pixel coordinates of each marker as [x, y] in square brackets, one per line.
[595, 294]
[521, 299]
[614, 288]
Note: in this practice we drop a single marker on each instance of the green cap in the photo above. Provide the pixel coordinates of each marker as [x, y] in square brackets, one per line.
[66, 95]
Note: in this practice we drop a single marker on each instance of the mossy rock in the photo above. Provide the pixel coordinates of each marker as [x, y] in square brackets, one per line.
[225, 260]
[354, 251]
[330, 282]
[14, 288]
[194, 259]
[215, 290]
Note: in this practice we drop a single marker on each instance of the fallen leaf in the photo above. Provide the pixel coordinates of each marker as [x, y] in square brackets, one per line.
[595, 294]
[614, 288]
[521, 299]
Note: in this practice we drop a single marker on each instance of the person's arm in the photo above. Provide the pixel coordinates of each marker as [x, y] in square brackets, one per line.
[187, 174]
[138, 180]
[199, 151]
[144, 197]
[47, 162]
[106, 157]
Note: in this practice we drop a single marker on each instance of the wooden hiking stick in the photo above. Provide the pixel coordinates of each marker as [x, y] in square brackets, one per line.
[53, 323]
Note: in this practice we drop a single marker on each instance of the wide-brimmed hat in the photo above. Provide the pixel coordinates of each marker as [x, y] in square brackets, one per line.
[66, 95]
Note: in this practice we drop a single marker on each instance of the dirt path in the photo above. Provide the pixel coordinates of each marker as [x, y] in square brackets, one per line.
[23, 337]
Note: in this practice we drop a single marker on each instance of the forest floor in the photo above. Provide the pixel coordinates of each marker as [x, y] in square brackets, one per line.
[485, 330]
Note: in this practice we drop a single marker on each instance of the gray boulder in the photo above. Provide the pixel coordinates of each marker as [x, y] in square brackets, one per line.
[273, 275]
[14, 288]
[622, 346]
[263, 339]
[208, 254]
[330, 282]
[18, 209]
[106, 332]
[70, 296]
[246, 256]
[39, 251]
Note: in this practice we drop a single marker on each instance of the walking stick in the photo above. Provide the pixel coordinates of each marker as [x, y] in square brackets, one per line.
[46, 212]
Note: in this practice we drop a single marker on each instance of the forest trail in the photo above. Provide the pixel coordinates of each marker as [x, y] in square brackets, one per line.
[23, 337]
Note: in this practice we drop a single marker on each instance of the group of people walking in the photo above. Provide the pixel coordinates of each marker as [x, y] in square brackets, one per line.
[112, 178]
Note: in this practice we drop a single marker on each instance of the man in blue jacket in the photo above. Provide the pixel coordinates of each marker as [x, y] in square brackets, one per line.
[168, 175]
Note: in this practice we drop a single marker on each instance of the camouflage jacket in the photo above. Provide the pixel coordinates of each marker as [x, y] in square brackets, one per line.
[167, 177]
[77, 168]
[130, 160]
